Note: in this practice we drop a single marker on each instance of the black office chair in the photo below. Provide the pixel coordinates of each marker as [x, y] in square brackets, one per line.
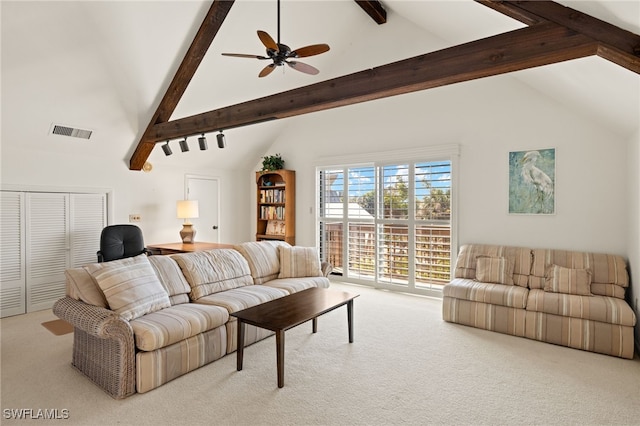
[119, 242]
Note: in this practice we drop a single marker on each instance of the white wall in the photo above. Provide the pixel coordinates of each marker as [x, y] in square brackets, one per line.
[633, 226]
[487, 118]
[152, 195]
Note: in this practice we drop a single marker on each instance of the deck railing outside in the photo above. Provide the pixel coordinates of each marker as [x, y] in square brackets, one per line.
[431, 263]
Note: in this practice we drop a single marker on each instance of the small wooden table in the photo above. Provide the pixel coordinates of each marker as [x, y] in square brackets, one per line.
[290, 311]
[173, 248]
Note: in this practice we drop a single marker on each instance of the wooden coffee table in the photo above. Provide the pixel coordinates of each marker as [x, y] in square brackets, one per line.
[281, 314]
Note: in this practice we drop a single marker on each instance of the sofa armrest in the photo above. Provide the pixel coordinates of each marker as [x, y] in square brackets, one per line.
[326, 268]
[103, 345]
[94, 320]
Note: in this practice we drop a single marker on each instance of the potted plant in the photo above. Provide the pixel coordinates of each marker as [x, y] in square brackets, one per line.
[272, 162]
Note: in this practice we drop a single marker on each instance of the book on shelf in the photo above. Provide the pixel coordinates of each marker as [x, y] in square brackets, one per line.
[272, 212]
[272, 196]
[275, 227]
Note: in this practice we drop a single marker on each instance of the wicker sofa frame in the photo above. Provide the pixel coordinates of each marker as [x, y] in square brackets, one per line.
[103, 346]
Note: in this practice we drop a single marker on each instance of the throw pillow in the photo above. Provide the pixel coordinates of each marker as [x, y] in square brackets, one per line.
[263, 259]
[298, 262]
[130, 285]
[497, 270]
[171, 278]
[559, 279]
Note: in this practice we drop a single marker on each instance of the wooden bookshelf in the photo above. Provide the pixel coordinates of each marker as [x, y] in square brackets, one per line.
[276, 206]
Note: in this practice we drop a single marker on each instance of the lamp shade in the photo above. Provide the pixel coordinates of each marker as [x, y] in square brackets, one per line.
[187, 209]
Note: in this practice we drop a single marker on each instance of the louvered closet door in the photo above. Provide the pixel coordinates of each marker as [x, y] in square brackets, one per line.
[47, 249]
[12, 254]
[88, 217]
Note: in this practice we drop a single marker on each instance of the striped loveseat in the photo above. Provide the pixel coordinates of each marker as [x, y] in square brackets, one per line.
[143, 321]
[569, 298]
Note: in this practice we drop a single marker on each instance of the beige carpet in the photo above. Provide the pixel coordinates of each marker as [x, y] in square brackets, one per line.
[406, 366]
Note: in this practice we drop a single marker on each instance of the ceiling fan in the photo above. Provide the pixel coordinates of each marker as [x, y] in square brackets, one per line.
[281, 54]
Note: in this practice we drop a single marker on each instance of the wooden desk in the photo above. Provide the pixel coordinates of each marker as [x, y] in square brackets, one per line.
[173, 248]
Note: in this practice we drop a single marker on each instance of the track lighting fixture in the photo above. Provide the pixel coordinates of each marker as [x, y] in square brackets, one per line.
[184, 146]
[202, 141]
[221, 140]
[167, 149]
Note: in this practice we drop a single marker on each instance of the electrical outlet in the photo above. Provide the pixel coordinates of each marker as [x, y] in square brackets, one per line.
[135, 218]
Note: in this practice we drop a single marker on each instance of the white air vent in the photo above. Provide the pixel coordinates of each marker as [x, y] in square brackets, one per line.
[57, 129]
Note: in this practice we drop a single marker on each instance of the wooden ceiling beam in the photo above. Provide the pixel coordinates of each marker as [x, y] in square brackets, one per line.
[615, 44]
[513, 51]
[556, 33]
[374, 9]
[199, 46]
[517, 13]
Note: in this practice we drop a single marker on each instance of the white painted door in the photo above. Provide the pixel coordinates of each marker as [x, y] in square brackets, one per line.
[48, 248]
[41, 235]
[206, 191]
[12, 254]
[63, 231]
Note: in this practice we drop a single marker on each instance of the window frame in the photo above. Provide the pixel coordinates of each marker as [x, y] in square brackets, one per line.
[343, 163]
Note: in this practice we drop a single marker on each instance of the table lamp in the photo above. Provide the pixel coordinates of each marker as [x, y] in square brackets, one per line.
[187, 209]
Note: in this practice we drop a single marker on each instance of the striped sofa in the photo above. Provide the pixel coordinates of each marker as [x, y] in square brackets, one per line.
[143, 321]
[569, 298]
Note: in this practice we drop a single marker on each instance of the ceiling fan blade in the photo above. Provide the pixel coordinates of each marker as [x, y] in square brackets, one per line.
[242, 55]
[314, 49]
[267, 41]
[267, 70]
[299, 66]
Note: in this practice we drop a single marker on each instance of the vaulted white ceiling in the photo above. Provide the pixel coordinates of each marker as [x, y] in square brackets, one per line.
[105, 65]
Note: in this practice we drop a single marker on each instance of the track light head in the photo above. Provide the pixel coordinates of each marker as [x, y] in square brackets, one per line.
[221, 140]
[184, 146]
[167, 149]
[202, 141]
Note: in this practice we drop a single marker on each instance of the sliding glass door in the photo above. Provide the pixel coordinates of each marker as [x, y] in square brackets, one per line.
[388, 225]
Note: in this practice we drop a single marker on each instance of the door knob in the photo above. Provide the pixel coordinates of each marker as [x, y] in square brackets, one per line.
[215, 227]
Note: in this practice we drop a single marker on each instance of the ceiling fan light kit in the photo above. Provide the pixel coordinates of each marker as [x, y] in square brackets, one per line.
[281, 54]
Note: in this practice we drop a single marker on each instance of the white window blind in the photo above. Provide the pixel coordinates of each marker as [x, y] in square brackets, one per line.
[432, 202]
[398, 222]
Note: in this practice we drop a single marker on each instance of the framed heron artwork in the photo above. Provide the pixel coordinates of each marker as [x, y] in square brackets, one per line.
[532, 182]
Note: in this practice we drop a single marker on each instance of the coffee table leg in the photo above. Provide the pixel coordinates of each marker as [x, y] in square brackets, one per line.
[280, 356]
[314, 323]
[350, 319]
[240, 349]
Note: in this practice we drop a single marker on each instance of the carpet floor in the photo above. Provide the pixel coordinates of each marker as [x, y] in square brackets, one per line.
[406, 366]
